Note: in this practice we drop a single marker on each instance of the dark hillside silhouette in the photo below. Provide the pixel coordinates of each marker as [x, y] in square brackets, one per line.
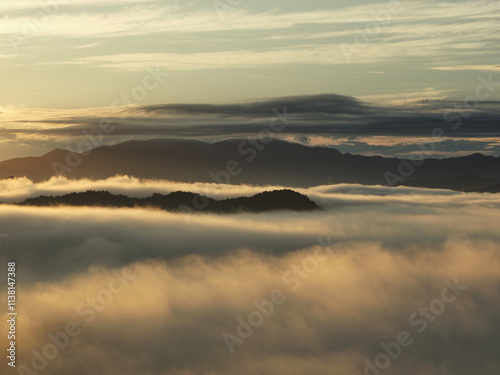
[275, 163]
[183, 201]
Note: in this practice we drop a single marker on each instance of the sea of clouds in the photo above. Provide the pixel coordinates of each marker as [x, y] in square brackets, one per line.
[155, 293]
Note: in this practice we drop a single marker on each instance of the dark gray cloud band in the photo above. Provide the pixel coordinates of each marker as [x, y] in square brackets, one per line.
[459, 125]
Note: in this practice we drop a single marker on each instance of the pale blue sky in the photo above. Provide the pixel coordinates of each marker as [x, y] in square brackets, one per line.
[86, 53]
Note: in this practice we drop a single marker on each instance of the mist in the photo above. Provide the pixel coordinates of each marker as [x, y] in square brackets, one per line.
[348, 279]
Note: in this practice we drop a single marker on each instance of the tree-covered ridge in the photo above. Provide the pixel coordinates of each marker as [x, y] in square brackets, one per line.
[284, 199]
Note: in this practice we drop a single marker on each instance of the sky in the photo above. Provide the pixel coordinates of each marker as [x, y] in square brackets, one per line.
[62, 60]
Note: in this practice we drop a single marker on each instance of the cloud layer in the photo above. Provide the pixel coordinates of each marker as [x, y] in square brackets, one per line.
[171, 317]
[343, 122]
[402, 28]
[394, 217]
[153, 293]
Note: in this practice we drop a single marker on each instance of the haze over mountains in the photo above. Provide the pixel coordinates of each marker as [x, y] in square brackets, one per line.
[255, 162]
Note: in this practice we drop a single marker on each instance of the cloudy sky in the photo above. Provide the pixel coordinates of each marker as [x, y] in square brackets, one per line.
[68, 63]
[75, 54]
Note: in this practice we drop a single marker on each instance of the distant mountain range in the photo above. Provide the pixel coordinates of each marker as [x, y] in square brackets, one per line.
[255, 162]
[467, 182]
[183, 201]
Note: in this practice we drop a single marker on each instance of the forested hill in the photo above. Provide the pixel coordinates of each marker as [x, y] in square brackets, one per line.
[183, 201]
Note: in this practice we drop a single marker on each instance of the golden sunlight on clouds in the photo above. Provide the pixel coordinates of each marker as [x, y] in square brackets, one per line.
[184, 306]
[249, 293]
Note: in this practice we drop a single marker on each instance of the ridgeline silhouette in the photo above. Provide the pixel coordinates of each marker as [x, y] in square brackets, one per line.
[183, 201]
[279, 163]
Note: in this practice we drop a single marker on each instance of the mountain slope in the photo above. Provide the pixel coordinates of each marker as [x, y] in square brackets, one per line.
[183, 201]
[237, 162]
[465, 182]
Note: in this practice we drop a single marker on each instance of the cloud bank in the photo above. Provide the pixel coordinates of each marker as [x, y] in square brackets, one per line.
[148, 292]
[343, 122]
[171, 316]
[54, 242]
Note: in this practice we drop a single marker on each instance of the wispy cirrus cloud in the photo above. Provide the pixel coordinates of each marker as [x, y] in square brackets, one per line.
[11, 6]
[300, 46]
[483, 68]
[309, 54]
[415, 28]
[111, 17]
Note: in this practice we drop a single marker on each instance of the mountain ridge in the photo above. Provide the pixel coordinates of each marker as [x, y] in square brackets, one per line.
[252, 162]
